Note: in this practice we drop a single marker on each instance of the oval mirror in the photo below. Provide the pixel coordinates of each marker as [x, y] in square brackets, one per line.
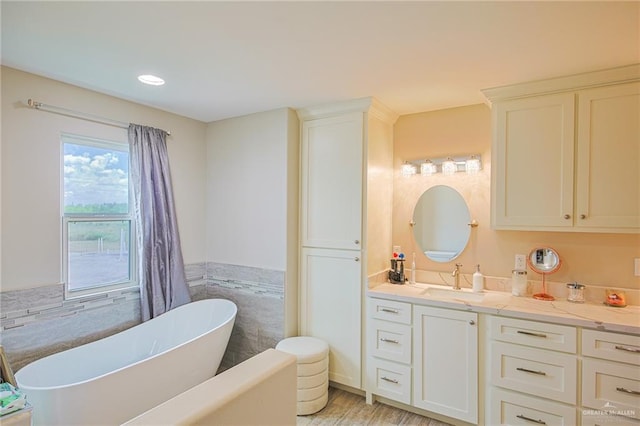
[544, 260]
[441, 223]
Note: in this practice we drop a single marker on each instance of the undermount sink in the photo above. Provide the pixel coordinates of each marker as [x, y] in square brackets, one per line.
[442, 292]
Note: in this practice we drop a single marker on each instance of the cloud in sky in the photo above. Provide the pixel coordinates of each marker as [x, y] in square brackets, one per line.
[95, 175]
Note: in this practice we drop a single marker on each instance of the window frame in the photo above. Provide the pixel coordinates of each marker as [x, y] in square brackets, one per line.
[96, 217]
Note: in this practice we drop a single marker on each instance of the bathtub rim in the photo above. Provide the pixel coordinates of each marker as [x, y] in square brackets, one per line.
[202, 301]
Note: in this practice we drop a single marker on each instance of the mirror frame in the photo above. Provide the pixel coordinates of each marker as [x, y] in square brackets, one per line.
[541, 268]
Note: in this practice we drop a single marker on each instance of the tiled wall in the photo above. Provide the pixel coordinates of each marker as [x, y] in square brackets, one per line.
[38, 322]
[259, 295]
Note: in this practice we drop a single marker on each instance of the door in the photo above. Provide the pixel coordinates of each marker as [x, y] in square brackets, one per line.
[533, 163]
[332, 168]
[608, 158]
[446, 362]
[330, 308]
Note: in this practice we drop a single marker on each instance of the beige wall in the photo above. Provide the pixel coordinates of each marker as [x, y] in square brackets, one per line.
[31, 176]
[249, 211]
[591, 259]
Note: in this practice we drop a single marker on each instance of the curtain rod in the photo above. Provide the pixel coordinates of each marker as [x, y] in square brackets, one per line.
[77, 114]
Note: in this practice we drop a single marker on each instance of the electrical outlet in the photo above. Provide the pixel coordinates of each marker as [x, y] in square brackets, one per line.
[521, 262]
[636, 265]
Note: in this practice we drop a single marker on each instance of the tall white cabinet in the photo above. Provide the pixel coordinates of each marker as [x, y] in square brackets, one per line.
[566, 153]
[339, 142]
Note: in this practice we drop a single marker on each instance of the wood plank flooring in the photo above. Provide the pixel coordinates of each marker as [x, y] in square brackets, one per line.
[345, 408]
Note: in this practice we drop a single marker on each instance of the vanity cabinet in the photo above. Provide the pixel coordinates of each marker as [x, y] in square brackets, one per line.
[566, 154]
[336, 145]
[532, 373]
[445, 357]
[610, 376]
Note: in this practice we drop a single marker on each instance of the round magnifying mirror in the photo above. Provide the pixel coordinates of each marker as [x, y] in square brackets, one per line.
[544, 260]
[441, 223]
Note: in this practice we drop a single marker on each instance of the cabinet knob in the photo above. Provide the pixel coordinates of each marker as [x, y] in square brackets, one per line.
[357, 242]
[472, 322]
[357, 259]
[567, 216]
[583, 216]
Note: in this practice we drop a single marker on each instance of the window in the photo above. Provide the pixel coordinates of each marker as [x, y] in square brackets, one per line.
[98, 226]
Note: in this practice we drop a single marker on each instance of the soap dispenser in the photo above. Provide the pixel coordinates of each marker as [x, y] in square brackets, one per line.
[478, 281]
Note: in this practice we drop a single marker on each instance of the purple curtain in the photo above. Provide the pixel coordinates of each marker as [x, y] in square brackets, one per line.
[163, 284]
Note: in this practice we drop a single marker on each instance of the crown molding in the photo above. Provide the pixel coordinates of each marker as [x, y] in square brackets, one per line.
[619, 75]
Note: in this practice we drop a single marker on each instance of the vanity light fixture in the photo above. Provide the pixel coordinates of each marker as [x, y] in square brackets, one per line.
[449, 167]
[151, 80]
[471, 164]
[408, 169]
[428, 168]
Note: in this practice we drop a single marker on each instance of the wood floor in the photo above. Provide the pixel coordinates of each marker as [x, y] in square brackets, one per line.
[345, 408]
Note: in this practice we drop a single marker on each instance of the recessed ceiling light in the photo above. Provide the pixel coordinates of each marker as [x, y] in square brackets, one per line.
[151, 79]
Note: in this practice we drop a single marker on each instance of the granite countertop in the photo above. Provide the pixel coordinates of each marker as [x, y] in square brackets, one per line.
[560, 311]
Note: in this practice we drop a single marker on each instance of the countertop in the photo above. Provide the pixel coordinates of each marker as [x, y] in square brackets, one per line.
[560, 311]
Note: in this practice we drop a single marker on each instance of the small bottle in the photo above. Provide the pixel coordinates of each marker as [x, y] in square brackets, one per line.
[413, 270]
[478, 281]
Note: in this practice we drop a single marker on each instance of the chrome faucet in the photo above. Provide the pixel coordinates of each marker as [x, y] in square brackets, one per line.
[456, 275]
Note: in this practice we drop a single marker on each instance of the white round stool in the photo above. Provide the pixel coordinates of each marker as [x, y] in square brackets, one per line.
[313, 371]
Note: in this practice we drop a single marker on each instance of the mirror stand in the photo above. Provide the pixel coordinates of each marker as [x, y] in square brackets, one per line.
[544, 295]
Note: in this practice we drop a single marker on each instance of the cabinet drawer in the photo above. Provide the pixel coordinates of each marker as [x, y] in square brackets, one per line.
[602, 418]
[390, 380]
[534, 371]
[390, 310]
[391, 341]
[510, 408]
[531, 333]
[611, 346]
[611, 386]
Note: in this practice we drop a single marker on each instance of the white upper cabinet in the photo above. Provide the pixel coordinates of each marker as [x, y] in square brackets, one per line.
[566, 153]
[332, 161]
[608, 158]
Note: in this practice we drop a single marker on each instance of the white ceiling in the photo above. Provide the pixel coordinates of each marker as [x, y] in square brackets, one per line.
[225, 59]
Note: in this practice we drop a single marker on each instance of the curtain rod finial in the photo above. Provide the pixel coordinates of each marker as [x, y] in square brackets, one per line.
[33, 104]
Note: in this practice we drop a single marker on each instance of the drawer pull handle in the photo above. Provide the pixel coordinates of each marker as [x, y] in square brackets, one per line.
[382, 339]
[624, 348]
[529, 419]
[624, 390]
[386, 379]
[526, 370]
[528, 333]
[390, 311]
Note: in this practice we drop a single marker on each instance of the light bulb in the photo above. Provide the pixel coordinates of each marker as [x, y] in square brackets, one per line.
[449, 167]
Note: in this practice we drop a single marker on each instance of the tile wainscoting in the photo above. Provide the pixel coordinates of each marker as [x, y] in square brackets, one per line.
[38, 322]
[259, 295]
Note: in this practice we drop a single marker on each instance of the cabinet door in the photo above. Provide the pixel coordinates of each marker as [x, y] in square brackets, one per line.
[332, 162]
[446, 362]
[532, 176]
[608, 158]
[330, 301]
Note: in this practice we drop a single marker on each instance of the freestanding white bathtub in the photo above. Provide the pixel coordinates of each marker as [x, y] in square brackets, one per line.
[109, 381]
